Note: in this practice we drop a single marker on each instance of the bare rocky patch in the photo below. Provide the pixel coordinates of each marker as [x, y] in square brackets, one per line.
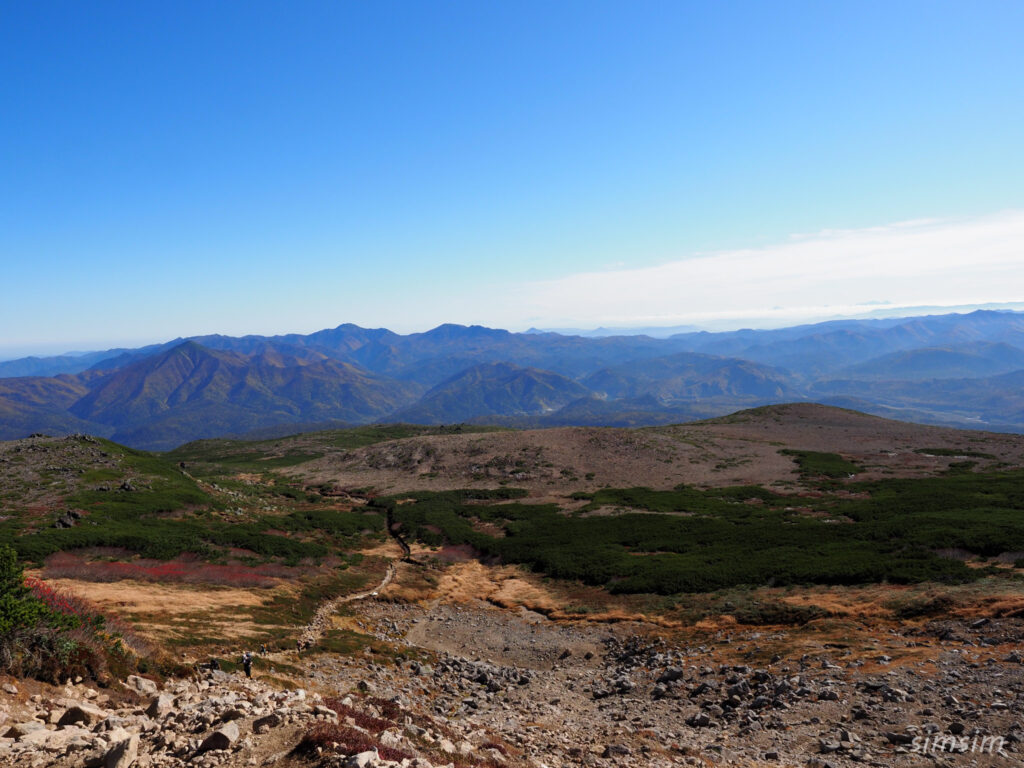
[743, 449]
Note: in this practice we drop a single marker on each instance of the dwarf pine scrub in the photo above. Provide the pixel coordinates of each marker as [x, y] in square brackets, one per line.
[51, 635]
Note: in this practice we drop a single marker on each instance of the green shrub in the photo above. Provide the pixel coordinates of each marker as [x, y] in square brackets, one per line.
[51, 635]
[815, 464]
[18, 608]
[699, 541]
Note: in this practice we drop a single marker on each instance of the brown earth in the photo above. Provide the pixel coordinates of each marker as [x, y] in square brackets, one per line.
[742, 449]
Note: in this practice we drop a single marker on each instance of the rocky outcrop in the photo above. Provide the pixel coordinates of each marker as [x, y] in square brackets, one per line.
[201, 722]
[619, 697]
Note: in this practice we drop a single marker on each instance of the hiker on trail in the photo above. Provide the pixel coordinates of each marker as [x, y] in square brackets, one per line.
[247, 663]
[263, 649]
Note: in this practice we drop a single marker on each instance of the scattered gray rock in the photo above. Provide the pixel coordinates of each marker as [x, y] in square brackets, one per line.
[141, 685]
[82, 713]
[222, 738]
[18, 730]
[123, 753]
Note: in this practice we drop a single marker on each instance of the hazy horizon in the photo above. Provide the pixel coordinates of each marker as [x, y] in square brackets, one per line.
[881, 313]
[203, 168]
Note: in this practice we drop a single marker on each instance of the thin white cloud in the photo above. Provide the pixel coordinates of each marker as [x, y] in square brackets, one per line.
[837, 272]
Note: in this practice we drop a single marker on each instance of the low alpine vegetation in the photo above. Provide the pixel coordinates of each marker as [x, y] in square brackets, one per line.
[51, 635]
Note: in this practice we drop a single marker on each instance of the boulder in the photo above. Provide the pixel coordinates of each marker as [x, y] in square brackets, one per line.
[266, 723]
[392, 738]
[670, 675]
[142, 685]
[616, 750]
[222, 738]
[18, 730]
[123, 753]
[895, 737]
[85, 714]
[160, 705]
[54, 741]
[362, 759]
[699, 720]
[327, 712]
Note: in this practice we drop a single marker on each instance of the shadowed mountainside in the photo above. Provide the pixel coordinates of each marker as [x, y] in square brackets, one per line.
[960, 370]
[493, 389]
[976, 360]
[688, 376]
[189, 391]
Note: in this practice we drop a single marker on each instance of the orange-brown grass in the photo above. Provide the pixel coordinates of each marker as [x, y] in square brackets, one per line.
[169, 599]
[388, 549]
[842, 640]
[183, 614]
[873, 601]
[994, 606]
[412, 584]
[512, 587]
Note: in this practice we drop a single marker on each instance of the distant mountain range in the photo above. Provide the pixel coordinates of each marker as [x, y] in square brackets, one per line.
[956, 369]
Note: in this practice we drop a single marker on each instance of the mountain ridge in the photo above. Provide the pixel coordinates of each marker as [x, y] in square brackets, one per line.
[944, 369]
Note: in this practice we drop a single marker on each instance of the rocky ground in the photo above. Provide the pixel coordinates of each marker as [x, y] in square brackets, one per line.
[36, 473]
[210, 720]
[475, 685]
[741, 449]
[623, 694]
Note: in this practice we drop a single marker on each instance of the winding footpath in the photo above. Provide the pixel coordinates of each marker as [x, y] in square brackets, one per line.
[316, 628]
[313, 631]
[392, 527]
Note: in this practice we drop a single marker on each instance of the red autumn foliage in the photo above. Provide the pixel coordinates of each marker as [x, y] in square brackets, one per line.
[373, 724]
[345, 740]
[87, 642]
[59, 600]
[69, 604]
[66, 565]
[388, 709]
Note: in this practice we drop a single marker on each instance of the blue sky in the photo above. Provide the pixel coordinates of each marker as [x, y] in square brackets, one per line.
[246, 167]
